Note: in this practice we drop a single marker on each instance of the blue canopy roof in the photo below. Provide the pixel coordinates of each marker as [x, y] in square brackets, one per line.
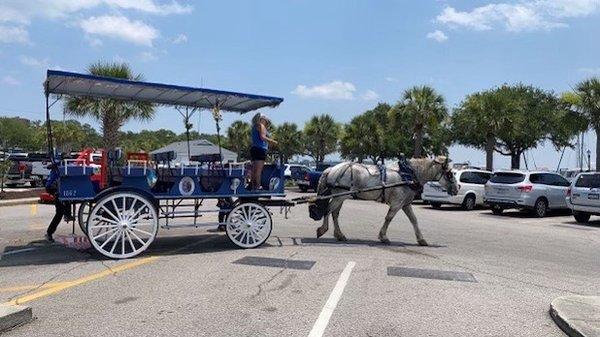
[75, 84]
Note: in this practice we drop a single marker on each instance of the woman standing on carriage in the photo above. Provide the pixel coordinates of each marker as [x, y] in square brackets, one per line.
[260, 145]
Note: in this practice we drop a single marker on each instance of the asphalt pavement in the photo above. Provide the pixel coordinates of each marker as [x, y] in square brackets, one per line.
[481, 275]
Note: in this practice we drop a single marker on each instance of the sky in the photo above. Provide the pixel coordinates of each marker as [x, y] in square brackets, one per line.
[339, 57]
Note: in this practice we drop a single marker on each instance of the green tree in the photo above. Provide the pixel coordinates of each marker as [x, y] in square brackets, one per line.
[16, 132]
[111, 113]
[289, 140]
[589, 106]
[478, 120]
[424, 110]
[368, 136]
[238, 135]
[321, 134]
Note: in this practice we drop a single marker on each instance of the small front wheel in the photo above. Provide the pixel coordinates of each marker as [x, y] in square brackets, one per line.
[82, 216]
[249, 225]
[436, 205]
[581, 217]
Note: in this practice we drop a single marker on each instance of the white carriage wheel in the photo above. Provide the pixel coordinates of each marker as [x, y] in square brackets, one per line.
[249, 225]
[122, 225]
[82, 215]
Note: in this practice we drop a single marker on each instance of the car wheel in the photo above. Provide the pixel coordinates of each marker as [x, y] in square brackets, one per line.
[540, 209]
[303, 188]
[581, 217]
[469, 203]
[11, 185]
[497, 210]
[34, 183]
[436, 205]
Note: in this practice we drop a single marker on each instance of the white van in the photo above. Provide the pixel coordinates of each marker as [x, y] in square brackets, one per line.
[471, 184]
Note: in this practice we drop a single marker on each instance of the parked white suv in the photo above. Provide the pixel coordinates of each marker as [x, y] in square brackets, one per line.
[471, 184]
[583, 197]
[537, 191]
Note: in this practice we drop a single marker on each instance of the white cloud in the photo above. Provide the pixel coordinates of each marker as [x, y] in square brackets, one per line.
[438, 35]
[9, 80]
[181, 38]
[522, 16]
[13, 35]
[391, 79]
[120, 27]
[592, 71]
[370, 95]
[332, 90]
[22, 11]
[34, 62]
[148, 56]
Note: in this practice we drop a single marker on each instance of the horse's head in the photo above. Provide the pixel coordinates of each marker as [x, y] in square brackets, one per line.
[447, 179]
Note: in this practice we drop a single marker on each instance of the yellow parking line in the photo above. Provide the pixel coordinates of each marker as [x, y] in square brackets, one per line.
[33, 210]
[69, 284]
[30, 287]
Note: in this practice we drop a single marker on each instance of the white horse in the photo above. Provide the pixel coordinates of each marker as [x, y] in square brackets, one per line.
[347, 176]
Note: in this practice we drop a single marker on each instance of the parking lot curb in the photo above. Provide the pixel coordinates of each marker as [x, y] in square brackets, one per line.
[13, 315]
[577, 315]
[16, 202]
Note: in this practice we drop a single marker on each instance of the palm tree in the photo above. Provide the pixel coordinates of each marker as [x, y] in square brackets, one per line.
[589, 92]
[321, 134]
[238, 137]
[425, 109]
[289, 140]
[111, 113]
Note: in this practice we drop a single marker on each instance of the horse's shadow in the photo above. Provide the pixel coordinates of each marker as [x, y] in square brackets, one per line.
[358, 242]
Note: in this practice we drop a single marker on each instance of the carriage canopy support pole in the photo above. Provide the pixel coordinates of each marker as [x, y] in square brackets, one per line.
[217, 117]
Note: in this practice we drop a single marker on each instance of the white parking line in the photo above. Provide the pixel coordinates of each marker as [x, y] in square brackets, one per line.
[321, 323]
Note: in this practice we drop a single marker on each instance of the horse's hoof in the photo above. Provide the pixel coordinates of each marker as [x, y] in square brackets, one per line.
[341, 237]
[385, 241]
[422, 242]
[320, 232]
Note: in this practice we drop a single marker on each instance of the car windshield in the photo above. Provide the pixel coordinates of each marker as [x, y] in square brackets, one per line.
[588, 180]
[507, 178]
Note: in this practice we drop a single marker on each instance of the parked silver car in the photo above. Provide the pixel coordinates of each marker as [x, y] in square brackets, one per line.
[537, 191]
[470, 190]
[583, 197]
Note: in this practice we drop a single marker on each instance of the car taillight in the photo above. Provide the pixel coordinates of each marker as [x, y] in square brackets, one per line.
[525, 188]
[22, 167]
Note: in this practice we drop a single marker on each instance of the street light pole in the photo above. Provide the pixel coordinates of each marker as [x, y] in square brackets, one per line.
[589, 153]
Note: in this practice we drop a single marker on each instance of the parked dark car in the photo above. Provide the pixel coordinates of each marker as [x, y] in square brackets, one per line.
[311, 178]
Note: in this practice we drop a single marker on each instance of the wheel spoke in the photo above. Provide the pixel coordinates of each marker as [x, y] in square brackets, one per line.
[132, 207]
[108, 240]
[104, 219]
[104, 233]
[130, 242]
[141, 231]
[116, 209]
[136, 237]
[112, 249]
[109, 213]
[135, 217]
[122, 242]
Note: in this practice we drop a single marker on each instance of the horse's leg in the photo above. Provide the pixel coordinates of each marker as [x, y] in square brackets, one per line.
[325, 226]
[388, 218]
[413, 220]
[337, 232]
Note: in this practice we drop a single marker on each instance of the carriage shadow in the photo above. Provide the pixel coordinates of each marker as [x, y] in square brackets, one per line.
[42, 253]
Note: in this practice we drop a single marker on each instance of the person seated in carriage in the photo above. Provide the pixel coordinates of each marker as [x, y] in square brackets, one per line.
[261, 138]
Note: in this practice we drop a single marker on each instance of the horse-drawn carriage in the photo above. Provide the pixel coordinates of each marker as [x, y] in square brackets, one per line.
[123, 202]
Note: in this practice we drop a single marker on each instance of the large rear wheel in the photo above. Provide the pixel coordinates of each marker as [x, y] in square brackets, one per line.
[249, 225]
[122, 225]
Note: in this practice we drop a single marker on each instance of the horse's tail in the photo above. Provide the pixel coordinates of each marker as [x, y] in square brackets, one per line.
[322, 185]
[320, 208]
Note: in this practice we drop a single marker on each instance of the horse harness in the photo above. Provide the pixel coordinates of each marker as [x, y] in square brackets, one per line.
[405, 171]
